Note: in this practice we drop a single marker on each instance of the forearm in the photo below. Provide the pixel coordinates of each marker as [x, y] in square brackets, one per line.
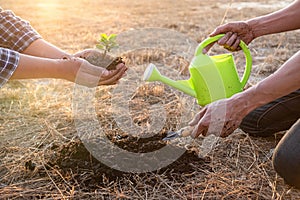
[286, 19]
[30, 67]
[42, 48]
[282, 82]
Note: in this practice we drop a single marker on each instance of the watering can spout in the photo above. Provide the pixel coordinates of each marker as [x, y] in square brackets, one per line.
[152, 74]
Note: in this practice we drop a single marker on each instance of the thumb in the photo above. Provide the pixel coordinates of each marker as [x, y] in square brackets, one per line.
[217, 31]
[222, 29]
[104, 72]
[197, 118]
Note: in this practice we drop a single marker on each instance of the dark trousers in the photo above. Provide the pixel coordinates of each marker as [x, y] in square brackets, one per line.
[280, 115]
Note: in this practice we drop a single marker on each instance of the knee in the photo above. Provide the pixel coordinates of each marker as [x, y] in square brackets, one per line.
[287, 167]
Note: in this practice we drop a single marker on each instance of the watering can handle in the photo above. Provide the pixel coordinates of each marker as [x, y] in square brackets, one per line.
[244, 47]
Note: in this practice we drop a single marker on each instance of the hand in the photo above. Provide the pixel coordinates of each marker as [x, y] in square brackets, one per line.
[234, 33]
[91, 76]
[108, 77]
[87, 53]
[220, 118]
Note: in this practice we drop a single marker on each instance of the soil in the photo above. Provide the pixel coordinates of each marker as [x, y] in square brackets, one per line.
[108, 62]
[101, 59]
[75, 158]
[41, 153]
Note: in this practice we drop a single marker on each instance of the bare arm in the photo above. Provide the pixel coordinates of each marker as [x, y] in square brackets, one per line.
[284, 81]
[286, 19]
[74, 70]
[42, 48]
[30, 67]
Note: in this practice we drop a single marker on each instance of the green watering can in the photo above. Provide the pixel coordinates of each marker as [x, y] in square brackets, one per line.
[211, 77]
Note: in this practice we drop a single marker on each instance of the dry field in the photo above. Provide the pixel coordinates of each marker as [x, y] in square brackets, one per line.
[41, 154]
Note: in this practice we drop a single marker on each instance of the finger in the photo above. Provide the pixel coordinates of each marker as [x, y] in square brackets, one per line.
[221, 29]
[232, 40]
[236, 45]
[207, 48]
[109, 74]
[113, 79]
[195, 132]
[120, 65]
[200, 129]
[226, 133]
[197, 117]
[224, 39]
[228, 129]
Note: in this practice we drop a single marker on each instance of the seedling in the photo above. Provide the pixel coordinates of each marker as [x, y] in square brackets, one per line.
[107, 43]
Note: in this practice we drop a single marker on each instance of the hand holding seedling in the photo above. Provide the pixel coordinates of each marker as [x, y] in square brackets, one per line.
[106, 69]
[90, 75]
[72, 69]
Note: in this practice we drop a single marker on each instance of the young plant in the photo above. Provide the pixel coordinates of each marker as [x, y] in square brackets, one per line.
[107, 43]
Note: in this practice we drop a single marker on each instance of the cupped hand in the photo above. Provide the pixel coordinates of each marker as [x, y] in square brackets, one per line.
[91, 76]
[220, 118]
[234, 33]
[111, 77]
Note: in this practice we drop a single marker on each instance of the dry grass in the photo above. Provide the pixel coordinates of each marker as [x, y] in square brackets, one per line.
[39, 143]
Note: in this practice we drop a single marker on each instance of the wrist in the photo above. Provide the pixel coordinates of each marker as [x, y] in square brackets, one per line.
[68, 68]
[255, 28]
[249, 100]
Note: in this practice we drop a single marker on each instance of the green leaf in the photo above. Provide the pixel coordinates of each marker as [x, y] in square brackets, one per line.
[99, 46]
[112, 37]
[104, 36]
[104, 40]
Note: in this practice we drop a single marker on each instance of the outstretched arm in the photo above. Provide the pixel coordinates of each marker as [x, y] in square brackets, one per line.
[44, 49]
[27, 55]
[75, 70]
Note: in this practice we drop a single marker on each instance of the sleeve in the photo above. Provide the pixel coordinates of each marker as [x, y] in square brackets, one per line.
[15, 33]
[9, 60]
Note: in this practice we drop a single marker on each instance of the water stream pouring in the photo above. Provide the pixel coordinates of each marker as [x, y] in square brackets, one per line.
[211, 77]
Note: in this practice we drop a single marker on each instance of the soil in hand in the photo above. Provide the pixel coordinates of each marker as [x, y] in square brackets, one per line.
[100, 59]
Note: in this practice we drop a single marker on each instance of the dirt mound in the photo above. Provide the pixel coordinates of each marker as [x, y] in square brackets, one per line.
[73, 158]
